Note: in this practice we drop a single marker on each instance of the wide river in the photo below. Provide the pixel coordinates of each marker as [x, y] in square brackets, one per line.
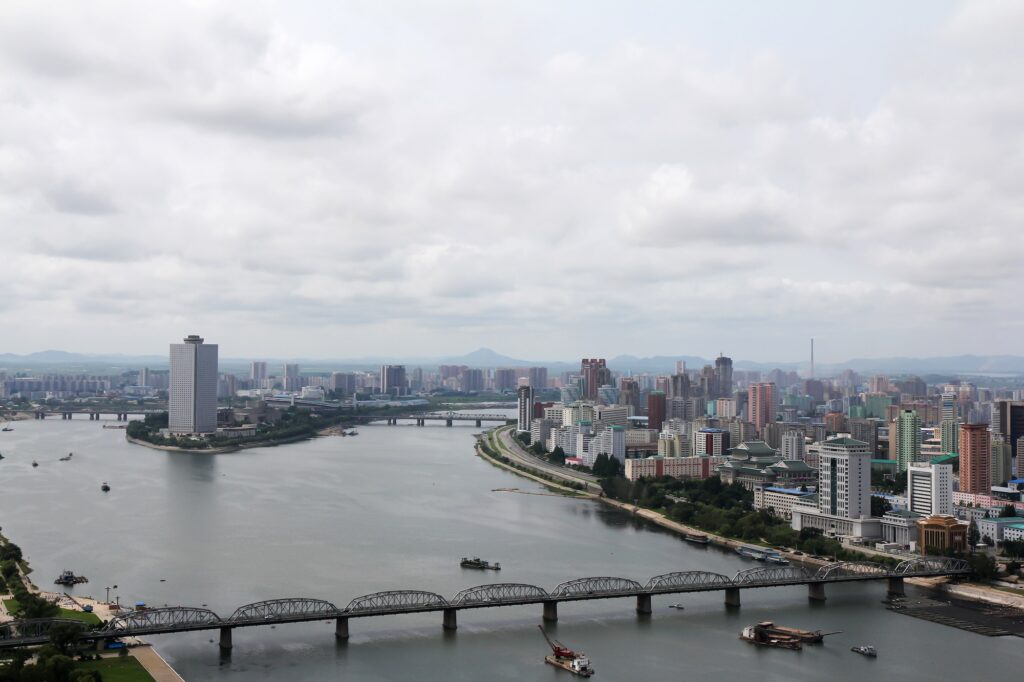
[396, 507]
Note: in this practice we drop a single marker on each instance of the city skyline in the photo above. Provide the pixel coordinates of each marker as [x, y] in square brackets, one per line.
[283, 177]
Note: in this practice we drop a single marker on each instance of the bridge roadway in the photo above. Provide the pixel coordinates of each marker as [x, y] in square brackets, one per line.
[297, 610]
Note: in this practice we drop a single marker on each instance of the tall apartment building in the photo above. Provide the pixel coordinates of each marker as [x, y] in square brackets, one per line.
[908, 439]
[762, 402]
[538, 378]
[1008, 420]
[257, 373]
[595, 373]
[655, 410]
[793, 445]
[948, 406]
[524, 399]
[930, 488]
[975, 459]
[949, 430]
[1001, 461]
[505, 379]
[844, 478]
[472, 380]
[392, 380]
[290, 379]
[192, 404]
[723, 376]
[865, 430]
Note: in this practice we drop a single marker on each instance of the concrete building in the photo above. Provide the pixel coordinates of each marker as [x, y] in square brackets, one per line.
[930, 488]
[538, 378]
[899, 527]
[611, 441]
[844, 479]
[780, 501]
[723, 376]
[1008, 420]
[710, 441]
[540, 430]
[725, 408]
[994, 529]
[762, 402]
[613, 415]
[907, 439]
[1001, 462]
[524, 399]
[937, 534]
[595, 373]
[192, 404]
[655, 410]
[975, 459]
[392, 380]
[505, 379]
[676, 467]
[257, 373]
[949, 430]
[793, 445]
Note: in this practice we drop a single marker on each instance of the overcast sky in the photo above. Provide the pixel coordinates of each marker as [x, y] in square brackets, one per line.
[549, 179]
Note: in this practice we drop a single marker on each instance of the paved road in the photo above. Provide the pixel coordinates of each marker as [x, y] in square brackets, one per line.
[514, 451]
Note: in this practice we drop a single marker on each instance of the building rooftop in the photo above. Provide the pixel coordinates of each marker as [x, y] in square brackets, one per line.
[845, 441]
[810, 492]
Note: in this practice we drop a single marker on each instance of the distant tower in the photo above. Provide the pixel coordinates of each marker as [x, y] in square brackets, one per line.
[812, 357]
[525, 404]
[193, 396]
[975, 459]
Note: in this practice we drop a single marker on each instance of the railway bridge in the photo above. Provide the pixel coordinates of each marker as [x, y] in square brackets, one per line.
[297, 610]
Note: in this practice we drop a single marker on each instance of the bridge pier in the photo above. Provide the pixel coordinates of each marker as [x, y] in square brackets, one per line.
[816, 591]
[478, 423]
[551, 611]
[341, 628]
[643, 604]
[225, 639]
[732, 596]
[450, 621]
[101, 643]
[447, 422]
[896, 587]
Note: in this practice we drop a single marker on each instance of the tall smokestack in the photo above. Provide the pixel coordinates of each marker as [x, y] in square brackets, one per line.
[812, 357]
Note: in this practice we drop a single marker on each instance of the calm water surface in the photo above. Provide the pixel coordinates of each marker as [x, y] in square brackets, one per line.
[395, 508]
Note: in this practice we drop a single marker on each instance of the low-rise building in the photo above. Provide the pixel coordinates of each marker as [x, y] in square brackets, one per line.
[899, 526]
[1014, 532]
[779, 501]
[993, 529]
[938, 534]
[676, 467]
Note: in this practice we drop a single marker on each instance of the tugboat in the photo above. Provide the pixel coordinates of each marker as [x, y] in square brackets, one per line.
[865, 650]
[565, 658]
[477, 562]
[763, 634]
[105, 487]
[68, 578]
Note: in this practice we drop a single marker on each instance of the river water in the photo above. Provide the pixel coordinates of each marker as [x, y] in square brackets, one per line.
[395, 508]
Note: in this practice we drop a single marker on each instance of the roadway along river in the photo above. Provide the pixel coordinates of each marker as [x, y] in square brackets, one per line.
[396, 507]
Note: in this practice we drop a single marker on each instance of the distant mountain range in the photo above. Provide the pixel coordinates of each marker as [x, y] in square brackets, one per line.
[485, 357]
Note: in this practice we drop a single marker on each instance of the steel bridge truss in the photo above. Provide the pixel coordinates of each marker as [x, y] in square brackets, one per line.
[682, 580]
[169, 618]
[772, 575]
[34, 628]
[396, 601]
[597, 586]
[932, 566]
[499, 593]
[284, 609]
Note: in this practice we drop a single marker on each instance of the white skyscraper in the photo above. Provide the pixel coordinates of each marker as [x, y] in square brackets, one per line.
[930, 488]
[844, 478]
[193, 390]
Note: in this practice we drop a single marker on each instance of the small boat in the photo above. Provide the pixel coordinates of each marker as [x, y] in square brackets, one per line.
[865, 650]
[7, 428]
[676, 606]
[105, 487]
[477, 562]
[697, 539]
[1, 455]
[35, 463]
[776, 559]
[68, 578]
[761, 636]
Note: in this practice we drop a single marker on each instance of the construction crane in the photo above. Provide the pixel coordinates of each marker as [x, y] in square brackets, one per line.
[557, 648]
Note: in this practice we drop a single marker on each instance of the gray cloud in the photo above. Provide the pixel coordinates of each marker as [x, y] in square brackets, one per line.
[437, 180]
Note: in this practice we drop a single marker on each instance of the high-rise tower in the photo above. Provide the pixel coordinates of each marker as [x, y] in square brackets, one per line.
[192, 403]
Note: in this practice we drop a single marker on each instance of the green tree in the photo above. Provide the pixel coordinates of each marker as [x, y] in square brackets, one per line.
[64, 637]
[879, 505]
[557, 455]
[1008, 512]
[523, 437]
[973, 536]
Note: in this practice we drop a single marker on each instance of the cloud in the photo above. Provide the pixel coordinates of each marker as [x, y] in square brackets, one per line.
[344, 180]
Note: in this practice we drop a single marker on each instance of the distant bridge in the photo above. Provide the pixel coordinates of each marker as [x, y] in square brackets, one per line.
[449, 418]
[298, 610]
[92, 414]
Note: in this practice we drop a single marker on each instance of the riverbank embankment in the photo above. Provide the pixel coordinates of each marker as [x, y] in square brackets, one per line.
[224, 448]
[973, 592]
